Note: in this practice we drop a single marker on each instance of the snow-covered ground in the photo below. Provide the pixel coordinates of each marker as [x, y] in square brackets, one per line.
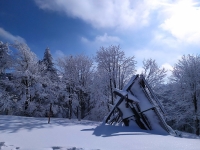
[63, 134]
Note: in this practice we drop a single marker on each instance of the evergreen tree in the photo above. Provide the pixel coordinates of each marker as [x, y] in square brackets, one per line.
[49, 69]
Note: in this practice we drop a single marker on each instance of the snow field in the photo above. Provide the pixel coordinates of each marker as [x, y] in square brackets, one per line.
[63, 134]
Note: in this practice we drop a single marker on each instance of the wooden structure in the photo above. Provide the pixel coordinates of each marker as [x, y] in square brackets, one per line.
[137, 103]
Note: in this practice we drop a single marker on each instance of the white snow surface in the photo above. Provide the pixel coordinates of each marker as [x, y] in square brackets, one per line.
[28, 133]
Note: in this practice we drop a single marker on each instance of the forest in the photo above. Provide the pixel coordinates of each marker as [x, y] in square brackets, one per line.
[82, 87]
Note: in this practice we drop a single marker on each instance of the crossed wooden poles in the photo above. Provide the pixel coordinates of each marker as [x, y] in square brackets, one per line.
[116, 115]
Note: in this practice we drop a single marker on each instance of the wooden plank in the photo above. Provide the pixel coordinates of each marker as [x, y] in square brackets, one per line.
[121, 99]
[153, 95]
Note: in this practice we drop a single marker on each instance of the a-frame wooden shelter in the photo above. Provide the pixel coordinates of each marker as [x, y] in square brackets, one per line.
[137, 103]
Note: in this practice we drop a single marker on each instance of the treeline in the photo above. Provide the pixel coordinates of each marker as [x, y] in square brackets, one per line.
[82, 87]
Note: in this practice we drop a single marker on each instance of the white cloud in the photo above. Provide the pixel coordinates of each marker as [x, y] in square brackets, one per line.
[84, 40]
[101, 40]
[173, 25]
[58, 54]
[165, 58]
[104, 40]
[126, 14]
[167, 66]
[139, 70]
[179, 17]
[182, 21]
[9, 37]
[169, 69]
[107, 39]
[162, 39]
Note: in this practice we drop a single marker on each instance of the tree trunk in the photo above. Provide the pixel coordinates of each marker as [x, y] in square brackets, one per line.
[70, 109]
[78, 113]
[197, 126]
[111, 92]
[196, 108]
[50, 112]
[119, 86]
[27, 90]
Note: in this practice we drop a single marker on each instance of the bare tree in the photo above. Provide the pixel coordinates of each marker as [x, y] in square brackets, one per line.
[116, 67]
[154, 74]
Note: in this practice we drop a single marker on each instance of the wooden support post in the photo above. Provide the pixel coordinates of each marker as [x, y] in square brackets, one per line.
[50, 111]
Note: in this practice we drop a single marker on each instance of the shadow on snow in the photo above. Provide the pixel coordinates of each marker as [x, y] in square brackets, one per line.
[105, 130]
[13, 124]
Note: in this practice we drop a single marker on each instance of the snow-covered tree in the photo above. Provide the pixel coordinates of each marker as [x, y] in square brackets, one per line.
[47, 65]
[7, 97]
[100, 96]
[51, 85]
[116, 67]
[5, 63]
[33, 90]
[76, 73]
[153, 74]
[5, 57]
[48, 60]
[25, 76]
[185, 101]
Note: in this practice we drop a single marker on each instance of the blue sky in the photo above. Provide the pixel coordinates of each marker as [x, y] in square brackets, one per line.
[160, 29]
